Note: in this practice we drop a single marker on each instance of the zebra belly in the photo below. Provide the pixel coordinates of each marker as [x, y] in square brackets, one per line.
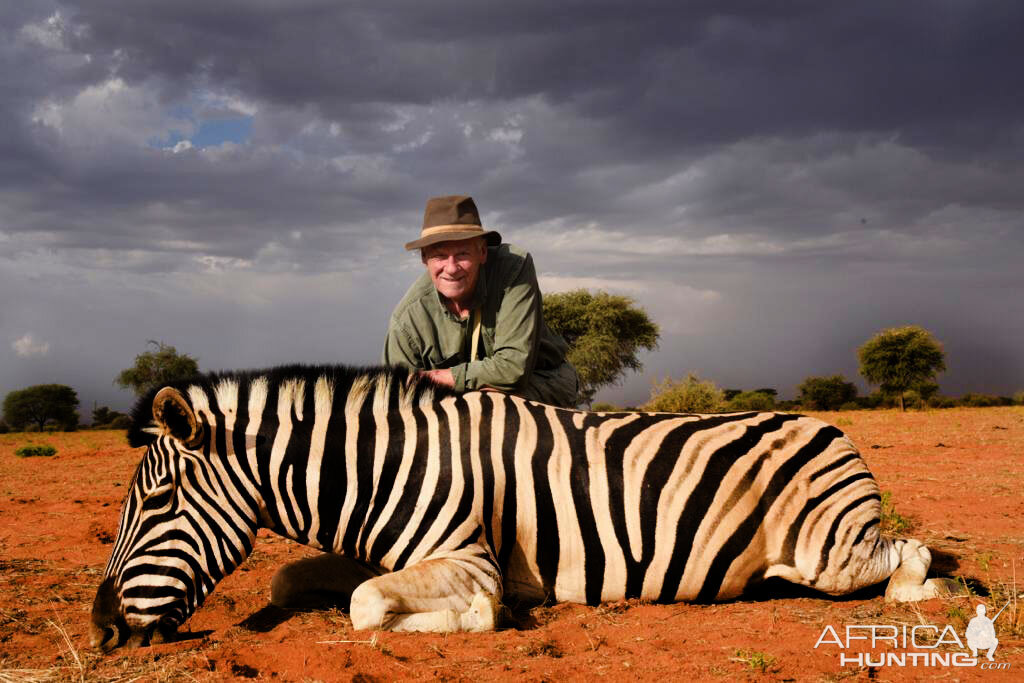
[522, 581]
[681, 514]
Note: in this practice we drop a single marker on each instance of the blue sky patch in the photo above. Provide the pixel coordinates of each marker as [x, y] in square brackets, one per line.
[211, 133]
[218, 131]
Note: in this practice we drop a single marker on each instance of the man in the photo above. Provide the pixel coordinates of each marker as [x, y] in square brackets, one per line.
[474, 319]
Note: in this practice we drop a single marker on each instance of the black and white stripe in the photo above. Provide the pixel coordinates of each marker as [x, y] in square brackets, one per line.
[559, 503]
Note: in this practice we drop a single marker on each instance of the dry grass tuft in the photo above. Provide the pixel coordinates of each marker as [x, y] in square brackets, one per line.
[1006, 597]
[756, 661]
[73, 671]
[541, 647]
[68, 650]
[893, 523]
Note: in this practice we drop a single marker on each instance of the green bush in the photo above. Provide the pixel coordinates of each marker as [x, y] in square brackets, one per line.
[973, 400]
[120, 422]
[850, 405]
[690, 395]
[871, 401]
[1018, 398]
[942, 402]
[3, 427]
[103, 416]
[751, 400]
[603, 407]
[826, 393]
[35, 451]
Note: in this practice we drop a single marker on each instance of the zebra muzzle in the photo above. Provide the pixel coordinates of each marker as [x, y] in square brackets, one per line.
[110, 630]
[109, 637]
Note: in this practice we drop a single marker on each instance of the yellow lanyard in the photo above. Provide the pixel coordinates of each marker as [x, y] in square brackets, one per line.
[476, 335]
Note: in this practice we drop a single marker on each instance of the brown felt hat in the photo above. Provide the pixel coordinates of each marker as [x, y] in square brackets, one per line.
[452, 218]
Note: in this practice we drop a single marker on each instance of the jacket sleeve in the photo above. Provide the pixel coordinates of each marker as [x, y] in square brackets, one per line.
[516, 337]
[399, 348]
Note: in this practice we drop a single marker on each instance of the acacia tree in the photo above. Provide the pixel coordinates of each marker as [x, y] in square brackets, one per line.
[604, 332]
[901, 358]
[157, 367]
[41, 404]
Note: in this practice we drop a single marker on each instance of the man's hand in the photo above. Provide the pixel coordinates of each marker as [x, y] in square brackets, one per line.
[443, 377]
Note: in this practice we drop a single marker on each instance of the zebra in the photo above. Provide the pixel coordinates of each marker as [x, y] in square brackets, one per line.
[433, 506]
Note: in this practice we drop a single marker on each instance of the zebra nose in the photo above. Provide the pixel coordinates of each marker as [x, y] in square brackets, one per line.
[108, 628]
[105, 639]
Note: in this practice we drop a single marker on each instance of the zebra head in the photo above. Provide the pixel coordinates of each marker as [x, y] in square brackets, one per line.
[188, 520]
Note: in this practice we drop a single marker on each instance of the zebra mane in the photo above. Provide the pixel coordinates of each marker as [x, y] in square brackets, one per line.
[142, 431]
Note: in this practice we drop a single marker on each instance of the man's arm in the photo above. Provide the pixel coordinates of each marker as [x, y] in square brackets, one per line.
[399, 348]
[442, 376]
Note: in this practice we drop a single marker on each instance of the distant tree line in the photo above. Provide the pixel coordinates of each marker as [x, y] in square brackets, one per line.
[105, 418]
[605, 334]
[903, 362]
[55, 406]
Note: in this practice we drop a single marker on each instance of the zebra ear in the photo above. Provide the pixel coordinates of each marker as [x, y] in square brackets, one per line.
[175, 417]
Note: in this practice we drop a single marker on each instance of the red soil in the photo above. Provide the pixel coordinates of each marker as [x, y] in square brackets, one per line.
[955, 474]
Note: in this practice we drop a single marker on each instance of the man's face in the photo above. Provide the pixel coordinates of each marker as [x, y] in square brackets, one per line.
[455, 266]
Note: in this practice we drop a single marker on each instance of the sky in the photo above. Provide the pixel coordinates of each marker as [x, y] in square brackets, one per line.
[773, 183]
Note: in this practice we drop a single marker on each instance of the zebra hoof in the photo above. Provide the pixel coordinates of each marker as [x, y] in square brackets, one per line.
[370, 609]
[948, 588]
[907, 583]
[482, 614]
[932, 588]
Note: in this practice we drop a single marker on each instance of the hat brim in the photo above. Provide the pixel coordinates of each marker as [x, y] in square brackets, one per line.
[492, 236]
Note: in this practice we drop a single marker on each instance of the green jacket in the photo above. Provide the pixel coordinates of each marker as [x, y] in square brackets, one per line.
[520, 355]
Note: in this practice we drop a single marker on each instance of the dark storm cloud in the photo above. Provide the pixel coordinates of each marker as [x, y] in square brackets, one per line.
[643, 87]
[798, 173]
[661, 71]
[639, 88]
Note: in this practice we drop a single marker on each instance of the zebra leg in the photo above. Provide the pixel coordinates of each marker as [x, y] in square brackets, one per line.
[451, 591]
[316, 582]
[868, 559]
[908, 582]
[904, 562]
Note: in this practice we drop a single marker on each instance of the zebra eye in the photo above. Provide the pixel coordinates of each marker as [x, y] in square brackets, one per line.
[159, 496]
